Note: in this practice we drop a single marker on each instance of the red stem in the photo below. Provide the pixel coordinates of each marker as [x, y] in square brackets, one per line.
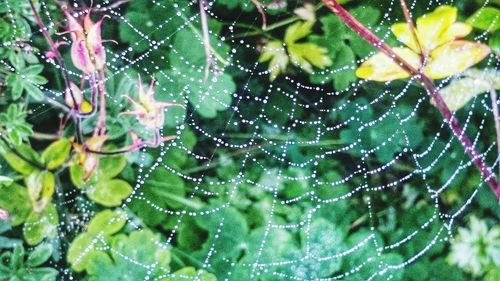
[428, 83]
[61, 64]
[101, 119]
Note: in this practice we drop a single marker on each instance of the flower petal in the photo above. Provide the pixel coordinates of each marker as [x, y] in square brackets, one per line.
[382, 68]
[94, 43]
[74, 27]
[455, 57]
[431, 26]
[76, 97]
[80, 57]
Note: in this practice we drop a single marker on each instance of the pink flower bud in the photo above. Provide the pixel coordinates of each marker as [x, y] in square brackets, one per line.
[4, 215]
[86, 159]
[147, 110]
[74, 99]
[87, 51]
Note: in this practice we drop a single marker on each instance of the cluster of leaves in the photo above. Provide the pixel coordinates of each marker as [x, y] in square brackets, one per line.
[312, 45]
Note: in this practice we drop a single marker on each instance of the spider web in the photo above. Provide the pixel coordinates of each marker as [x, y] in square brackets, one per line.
[252, 138]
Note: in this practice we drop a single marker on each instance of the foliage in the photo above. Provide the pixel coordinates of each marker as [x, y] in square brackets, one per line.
[476, 249]
[16, 265]
[255, 151]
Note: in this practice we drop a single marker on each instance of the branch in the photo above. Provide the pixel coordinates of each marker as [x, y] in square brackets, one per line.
[210, 63]
[427, 82]
[101, 119]
[496, 116]
[59, 60]
[260, 9]
[21, 156]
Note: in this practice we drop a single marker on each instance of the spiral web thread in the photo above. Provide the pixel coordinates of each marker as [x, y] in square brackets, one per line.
[257, 147]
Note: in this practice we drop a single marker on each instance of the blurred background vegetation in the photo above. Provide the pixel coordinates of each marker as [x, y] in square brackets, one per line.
[269, 163]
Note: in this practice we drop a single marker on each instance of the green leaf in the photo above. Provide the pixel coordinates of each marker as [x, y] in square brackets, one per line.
[208, 95]
[474, 82]
[304, 55]
[146, 18]
[34, 91]
[487, 18]
[5, 181]
[16, 84]
[17, 163]
[110, 167]
[227, 229]
[321, 239]
[345, 63]
[275, 53]
[42, 274]
[81, 250]
[188, 273]
[13, 120]
[107, 222]
[141, 247]
[41, 186]
[39, 255]
[56, 153]
[14, 198]
[109, 193]
[76, 175]
[41, 225]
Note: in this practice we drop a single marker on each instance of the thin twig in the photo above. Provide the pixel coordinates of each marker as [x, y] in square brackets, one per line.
[20, 155]
[60, 62]
[496, 116]
[413, 29]
[44, 136]
[260, 9]
[427, 82]
[210, 62]
[101, 119]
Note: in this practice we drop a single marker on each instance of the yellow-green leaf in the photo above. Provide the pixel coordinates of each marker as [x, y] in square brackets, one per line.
[487, 18]
[276, 54]
[107, 222]
[474, 82]
[432, 25]
[41, 186]
[297, 31]
[41, 225]
[455, 57]
[307, 55]
[81, 250]
[56, 153]
[109, 193]
[17, 163]
[15, 200]
[380, 67]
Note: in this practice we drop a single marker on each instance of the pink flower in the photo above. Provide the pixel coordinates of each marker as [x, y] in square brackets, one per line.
[87, 52]
[4, 215]
[86, 158]
[74, 99]
[147, 110]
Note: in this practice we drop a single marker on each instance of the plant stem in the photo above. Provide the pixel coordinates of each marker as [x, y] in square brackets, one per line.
[260, 9]
[20, 155]
[409, 21]
[59, 61]
[371, 38]
[496, 116]
[101, 119]
[210, 63]
[288, 20]
[44, 136]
